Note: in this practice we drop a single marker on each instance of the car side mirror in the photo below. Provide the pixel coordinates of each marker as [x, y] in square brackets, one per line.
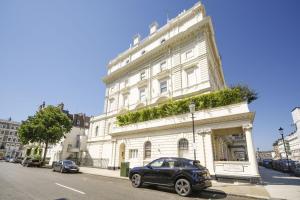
[149, 166]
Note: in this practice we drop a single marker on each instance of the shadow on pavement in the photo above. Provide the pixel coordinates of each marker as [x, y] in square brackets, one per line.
[204, 194]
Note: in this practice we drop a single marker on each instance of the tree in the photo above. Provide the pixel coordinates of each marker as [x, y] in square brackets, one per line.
[47, 126]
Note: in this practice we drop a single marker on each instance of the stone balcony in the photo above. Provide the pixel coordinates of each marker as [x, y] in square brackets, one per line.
[226, 113]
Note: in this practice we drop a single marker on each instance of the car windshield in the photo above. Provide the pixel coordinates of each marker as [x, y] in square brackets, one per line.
[69, 162]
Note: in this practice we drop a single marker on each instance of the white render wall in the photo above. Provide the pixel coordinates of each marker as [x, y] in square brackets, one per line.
[177, 66]
[60, 150]
[192, 66]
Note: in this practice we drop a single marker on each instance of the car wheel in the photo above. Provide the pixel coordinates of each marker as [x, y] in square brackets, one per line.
[183, 187]
[136, 180]
[62, 170]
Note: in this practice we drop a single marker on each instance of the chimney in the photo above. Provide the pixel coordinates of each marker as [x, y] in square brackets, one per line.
[136, 39]
[153, 27]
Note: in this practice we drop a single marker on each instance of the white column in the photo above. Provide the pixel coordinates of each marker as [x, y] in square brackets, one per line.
[112, 161]
[207, 149]
[250, 149]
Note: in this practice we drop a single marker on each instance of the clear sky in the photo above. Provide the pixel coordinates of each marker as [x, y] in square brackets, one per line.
[57, 51]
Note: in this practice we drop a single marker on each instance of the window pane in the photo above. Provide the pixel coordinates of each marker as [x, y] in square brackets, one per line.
[147, 150]
[157, 163]
[143, 75]
[163, 87]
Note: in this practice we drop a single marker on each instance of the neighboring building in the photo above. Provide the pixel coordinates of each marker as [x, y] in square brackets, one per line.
[73, 145]
[276, 151]
[9, 141]
[292, 141]
[261, 155]
[175, 61]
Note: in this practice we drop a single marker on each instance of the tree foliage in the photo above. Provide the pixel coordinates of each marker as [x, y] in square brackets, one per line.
[219, 98]
[47, 126]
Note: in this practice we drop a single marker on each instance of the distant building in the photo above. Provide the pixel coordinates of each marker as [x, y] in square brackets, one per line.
[73, 145]
[9, 141]
[261, 155]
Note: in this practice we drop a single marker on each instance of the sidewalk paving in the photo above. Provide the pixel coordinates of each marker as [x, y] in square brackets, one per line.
[280, 185]
[235, 189]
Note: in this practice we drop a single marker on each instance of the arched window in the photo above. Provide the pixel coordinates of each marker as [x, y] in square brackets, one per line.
[96, 131]
[147, 150]
[183, 148]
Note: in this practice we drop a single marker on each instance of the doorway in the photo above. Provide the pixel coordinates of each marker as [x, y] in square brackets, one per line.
[121, 154]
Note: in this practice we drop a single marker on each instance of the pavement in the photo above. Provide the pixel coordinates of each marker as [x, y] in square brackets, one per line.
[23, 183]
[280, 185]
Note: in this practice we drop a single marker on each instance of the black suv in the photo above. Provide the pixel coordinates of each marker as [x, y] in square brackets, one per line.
[182, 174]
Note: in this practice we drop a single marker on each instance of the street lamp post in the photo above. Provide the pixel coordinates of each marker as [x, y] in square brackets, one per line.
[287, 156]
[192, 111]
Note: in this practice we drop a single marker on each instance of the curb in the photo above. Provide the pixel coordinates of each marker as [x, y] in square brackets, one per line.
[239, 195]
[124, 178]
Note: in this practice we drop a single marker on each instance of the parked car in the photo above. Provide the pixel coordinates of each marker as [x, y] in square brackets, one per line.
[286, 165]
[182, 174]
[19, 160]
[65, 166]
[296, 168]
[7, 158]
[34, 163]
[13, 160]
[267, 163]
[25, 160]
[53, 163]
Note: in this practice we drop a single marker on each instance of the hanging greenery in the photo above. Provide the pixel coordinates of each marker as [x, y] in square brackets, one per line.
[219, 98]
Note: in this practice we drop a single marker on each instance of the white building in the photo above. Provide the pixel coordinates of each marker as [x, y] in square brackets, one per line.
[175, 61]
[292, 141]
[9, 141]
[72, 146]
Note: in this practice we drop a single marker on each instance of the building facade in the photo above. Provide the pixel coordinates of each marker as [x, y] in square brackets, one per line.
[72, 146]
[9, 142]
[176, 61]
[292, 141]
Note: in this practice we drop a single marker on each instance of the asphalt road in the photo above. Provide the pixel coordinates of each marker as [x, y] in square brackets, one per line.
[22, 183]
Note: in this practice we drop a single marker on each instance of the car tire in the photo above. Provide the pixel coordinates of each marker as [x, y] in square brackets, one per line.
[62, 170]
[183, 187]
[136, 180]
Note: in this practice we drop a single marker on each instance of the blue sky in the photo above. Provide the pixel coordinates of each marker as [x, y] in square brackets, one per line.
[57, 51]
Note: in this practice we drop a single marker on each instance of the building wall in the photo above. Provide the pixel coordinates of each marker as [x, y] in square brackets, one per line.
[182, 54]
[67, 146]
[9, 141]
[296, 117]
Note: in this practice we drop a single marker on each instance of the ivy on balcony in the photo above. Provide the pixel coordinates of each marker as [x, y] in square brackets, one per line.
[233, 95]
